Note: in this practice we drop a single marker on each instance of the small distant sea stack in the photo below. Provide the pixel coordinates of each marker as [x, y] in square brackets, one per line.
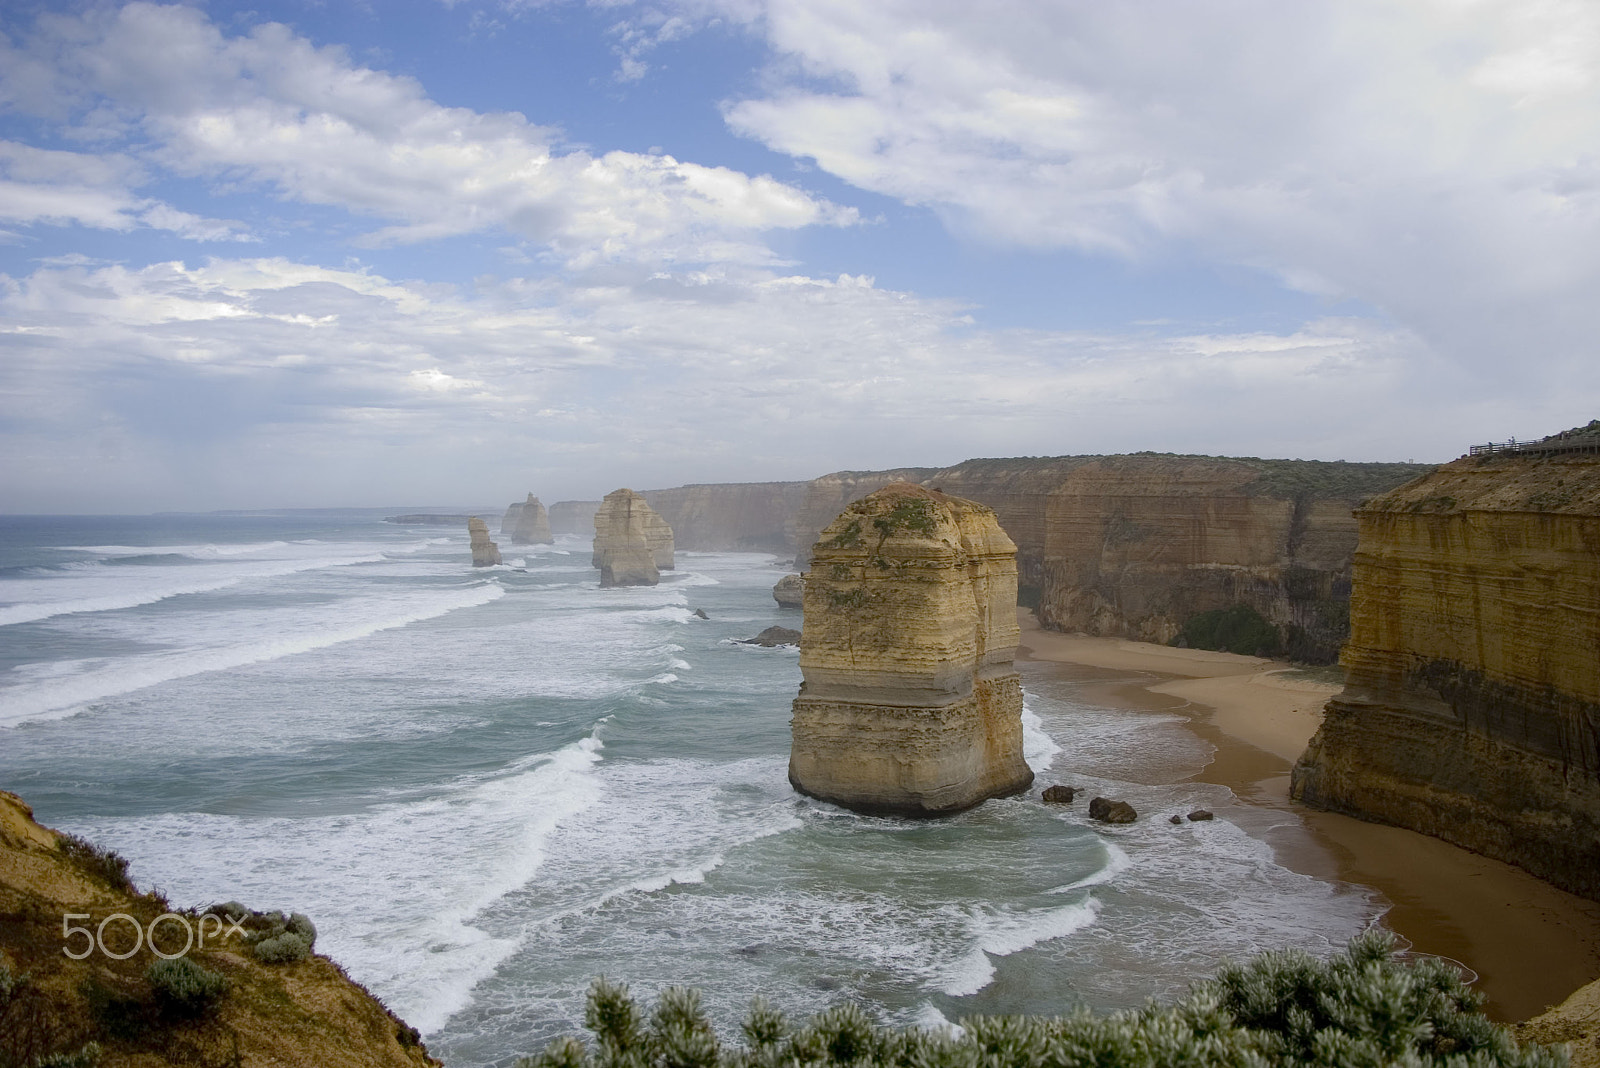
[790, 592]
[533, 524]
[910, 704]
[485, 553]
[508, 522]
[630, 541]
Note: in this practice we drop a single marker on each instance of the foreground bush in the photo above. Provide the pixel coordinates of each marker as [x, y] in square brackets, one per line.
[1361, 1009]
[183, 989]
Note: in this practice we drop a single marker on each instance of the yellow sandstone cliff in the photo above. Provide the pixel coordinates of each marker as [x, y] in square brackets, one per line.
[485, 553]
[910, 703]
[1472, 704]
[532, 525]
[301, 1014]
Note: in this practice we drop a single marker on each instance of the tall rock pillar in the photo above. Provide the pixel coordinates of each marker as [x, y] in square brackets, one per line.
[532, 524]
[630, 541]
[910, 703]
[485, 553]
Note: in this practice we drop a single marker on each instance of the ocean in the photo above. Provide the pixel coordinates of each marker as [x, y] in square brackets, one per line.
[488, 786]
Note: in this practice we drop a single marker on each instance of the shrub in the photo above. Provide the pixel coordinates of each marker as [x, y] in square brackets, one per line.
[1359, 1008]
[183, 988]
[285, 948]
[1235, 629]
[98, 861]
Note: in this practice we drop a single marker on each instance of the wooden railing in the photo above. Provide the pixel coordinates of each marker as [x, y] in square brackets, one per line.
[1586, 443]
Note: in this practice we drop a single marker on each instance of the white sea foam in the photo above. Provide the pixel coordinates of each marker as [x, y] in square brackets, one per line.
[1116, 863]
[54, 699]
[394, 889]
[1038, 748]
[1000, 932]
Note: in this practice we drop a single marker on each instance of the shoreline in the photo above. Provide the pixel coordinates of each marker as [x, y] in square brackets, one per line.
[1530, 944]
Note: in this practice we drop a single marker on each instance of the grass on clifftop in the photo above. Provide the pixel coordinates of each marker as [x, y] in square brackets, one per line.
[1360, 1009]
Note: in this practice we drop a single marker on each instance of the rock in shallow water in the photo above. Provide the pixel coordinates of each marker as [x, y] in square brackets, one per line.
[773, 636]
[1200, 814]
[1107, 811]
[1059, 795]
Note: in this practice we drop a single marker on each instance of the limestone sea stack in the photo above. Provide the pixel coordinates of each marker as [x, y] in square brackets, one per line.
[508, 522]
[1471, 708]
[533, 524]
[790, 592]
[630, 540]
[485, 553]
[910, 704]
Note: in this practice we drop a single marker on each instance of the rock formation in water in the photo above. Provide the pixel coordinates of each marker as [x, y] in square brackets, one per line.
[1121, 546]
[630, 541]
[1471, 709]
[138, 1010]
[485, 553]
[533, 525]
[910, 703]
[773, 637]
[573, 518]
[508, 522]
[790, 592]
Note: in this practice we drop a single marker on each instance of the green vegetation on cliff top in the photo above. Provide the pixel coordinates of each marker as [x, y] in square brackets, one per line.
[1360, 1008]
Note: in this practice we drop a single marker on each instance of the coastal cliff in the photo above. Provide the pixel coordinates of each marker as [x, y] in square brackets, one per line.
[739, 516]
[632, 543]
[1471, 709]
[573, 518]
[532, 526]
[1131, 546]
[910, 703]
[256, 1014]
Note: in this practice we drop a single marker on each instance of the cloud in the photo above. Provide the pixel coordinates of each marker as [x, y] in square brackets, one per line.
[270, 109]
[250, 382]
[58, 188]
[1436, 159]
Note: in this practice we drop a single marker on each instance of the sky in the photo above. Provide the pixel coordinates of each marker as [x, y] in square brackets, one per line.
[314, 254]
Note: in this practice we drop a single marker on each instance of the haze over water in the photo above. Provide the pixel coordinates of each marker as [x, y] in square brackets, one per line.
[488, 786]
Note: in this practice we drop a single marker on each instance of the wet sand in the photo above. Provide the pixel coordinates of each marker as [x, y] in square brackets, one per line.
[1530, 944]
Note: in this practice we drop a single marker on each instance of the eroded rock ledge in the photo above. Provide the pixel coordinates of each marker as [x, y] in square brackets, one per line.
[1472, 705]
[910, 703]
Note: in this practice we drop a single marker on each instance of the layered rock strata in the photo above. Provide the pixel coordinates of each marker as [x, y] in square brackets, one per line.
[1471, 709]
[1122, 546]
[630, 541]
[485, 553]
[790, 591]
[910, 704]
[532, 526]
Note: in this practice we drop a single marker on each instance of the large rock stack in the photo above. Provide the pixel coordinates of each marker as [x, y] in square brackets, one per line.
[533, 524]
[632, 544]
[910, 703]
[485, 553]
[508, 522]
[1471, 708]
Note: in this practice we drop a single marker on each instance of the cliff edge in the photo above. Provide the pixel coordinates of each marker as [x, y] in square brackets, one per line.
[135, 1007]
[910, 704]
[1471, 709]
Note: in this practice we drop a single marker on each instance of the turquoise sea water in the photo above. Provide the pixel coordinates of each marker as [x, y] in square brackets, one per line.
[489, 785]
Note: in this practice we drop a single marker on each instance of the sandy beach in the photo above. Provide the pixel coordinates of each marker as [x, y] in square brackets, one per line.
[1530, 944]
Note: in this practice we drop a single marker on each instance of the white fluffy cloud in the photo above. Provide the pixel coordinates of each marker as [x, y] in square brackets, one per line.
[269, 108]
[1438, 159]
[255, 382]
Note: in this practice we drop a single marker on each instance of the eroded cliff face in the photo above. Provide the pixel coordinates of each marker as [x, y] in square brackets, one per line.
[573, 518]
[910, 703]
[737, 517]
[1127, 546]
[306, 1012]
[630, 540]
[1471, 709]
[532, 524]
[485, 553]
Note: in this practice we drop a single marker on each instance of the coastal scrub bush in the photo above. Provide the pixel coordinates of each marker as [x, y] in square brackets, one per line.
[183, 988]
[1235, 629]
[1362, 1008]
[98, 861]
